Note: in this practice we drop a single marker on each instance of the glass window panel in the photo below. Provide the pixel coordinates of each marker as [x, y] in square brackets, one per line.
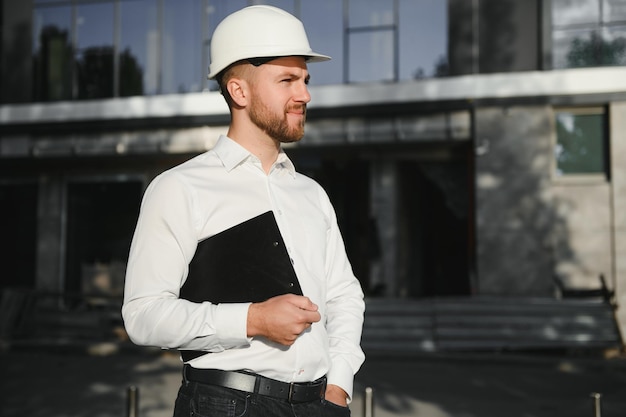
[569, 48]
[614, 10]
[286, 5]
[371, 56]
[323, 22]
[366, 13]
[94, 25]
[615, 45]
[423, 36]
[580, 142]
[219, 9]
[94, 50]
[182, 69]
[588, 48]
[52, 51]
[138, 49]
[216, 12]
[572, 12]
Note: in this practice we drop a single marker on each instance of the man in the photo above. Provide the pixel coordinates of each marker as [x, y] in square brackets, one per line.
[296, 352]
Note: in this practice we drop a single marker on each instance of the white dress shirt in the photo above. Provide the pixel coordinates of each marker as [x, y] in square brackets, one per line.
[213, 192]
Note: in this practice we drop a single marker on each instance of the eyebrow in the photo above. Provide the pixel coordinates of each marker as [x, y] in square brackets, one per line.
[292, 75]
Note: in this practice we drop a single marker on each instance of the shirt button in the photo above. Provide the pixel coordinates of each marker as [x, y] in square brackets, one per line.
[275, 244]
[291, 259]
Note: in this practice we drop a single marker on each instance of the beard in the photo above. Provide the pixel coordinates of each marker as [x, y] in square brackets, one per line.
[276, 125]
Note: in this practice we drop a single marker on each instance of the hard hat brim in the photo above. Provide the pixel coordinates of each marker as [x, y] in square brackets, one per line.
[308, 57]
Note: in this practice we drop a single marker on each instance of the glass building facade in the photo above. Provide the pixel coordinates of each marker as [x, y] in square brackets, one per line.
[89, 49]
[98, 49]
[432, 120]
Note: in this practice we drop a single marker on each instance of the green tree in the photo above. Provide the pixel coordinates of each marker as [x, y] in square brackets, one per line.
[52, 65]
[131, 75]
[596, 51]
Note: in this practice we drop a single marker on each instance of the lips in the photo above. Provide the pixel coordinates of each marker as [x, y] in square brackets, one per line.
[301, 110]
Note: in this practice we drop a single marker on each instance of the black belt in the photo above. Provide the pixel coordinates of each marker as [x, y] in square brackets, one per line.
[295, 392]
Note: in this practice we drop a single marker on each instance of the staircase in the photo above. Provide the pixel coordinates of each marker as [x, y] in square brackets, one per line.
[488, 323]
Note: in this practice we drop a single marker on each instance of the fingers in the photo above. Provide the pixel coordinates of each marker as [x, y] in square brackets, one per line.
[302, 302]
[309, 311]
[282, 319]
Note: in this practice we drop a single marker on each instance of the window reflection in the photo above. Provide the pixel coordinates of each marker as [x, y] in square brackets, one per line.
[571, 12]
[588, 33]
[52, 53]
[287, 5]
[580, 141]
[423, 39]
[216, 11]
[371, 56]
[145, 47]
[371, 33]
[614, 10]
[371, 13]
[323, 20]
[94, 50]
[138, 47]
[182, 47]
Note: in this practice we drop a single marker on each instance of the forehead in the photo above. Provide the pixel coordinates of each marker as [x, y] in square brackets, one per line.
[291, 64]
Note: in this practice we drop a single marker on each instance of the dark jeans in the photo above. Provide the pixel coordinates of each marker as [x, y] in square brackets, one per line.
[201, 400]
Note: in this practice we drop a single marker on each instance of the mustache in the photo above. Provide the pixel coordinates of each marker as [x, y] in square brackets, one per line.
[297, 108]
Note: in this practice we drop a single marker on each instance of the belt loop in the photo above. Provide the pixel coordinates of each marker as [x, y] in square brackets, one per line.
[185, 380]
[257, 386]
[290, 396]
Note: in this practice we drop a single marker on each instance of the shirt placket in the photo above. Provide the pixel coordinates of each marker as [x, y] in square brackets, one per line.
[279, 210]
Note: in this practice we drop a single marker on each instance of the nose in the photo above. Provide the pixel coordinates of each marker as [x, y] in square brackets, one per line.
[302, 95]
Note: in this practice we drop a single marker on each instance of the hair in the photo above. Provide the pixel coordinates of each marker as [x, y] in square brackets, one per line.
[239, 69]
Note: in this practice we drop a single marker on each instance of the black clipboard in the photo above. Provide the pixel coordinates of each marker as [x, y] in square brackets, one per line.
[245, 263]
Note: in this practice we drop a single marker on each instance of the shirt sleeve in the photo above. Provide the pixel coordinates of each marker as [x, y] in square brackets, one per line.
[345, 307]
[163, 244]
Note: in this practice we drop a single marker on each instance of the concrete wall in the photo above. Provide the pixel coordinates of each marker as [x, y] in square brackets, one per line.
[587, 253]
[618, 180]
[516, 223]
[532, 226]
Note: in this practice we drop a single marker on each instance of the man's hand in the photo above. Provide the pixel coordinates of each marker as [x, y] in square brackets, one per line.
[283, 318]
[336, 395]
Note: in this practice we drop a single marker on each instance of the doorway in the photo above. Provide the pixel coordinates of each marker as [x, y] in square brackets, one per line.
[101, 218]
[427, 224]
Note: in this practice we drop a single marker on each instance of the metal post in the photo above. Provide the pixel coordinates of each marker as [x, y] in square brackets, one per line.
[595, 397]
[132, 401]
[368, 399]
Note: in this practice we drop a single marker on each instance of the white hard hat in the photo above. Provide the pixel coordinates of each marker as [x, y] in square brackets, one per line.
[259, 32]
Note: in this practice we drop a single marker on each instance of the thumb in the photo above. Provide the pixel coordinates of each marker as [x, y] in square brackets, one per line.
[305, 303]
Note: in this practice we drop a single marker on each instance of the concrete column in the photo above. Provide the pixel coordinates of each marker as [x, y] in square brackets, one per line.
[383, 183]
[515, 218]
[617, 148]
[50, 229]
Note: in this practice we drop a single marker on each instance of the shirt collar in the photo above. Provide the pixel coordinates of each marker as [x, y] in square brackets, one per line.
[232, 154]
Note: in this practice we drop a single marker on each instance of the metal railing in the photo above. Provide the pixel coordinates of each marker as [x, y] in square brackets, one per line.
[132, 402]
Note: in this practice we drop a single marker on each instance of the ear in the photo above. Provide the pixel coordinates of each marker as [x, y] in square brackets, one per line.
[238, 91]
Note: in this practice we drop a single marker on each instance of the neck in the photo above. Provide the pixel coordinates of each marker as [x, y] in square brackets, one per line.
[258, 144]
